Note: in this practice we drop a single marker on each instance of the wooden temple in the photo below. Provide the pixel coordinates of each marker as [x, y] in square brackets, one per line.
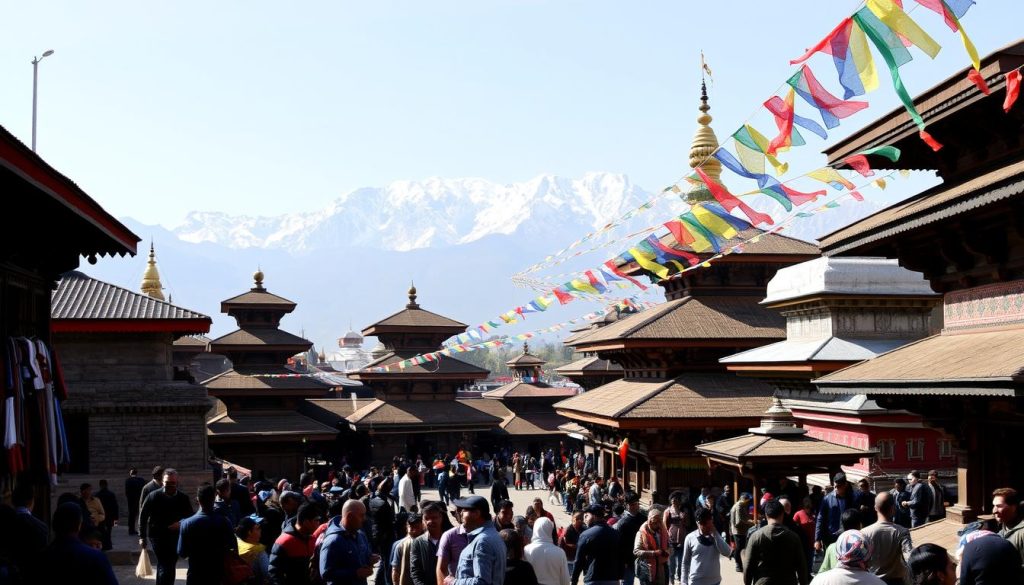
[590, 371]
[674, 394]
[258, 423]
[415, 410]
[531, 424]
[967, 236]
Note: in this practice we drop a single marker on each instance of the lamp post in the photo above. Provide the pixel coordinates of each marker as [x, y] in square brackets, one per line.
[35, 87]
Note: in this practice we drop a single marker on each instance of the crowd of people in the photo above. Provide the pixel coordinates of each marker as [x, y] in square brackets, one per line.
[354, 526]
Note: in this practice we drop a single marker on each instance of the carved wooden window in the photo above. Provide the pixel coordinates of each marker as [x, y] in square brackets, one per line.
[886, 449]
[945, 449]
[915, 449]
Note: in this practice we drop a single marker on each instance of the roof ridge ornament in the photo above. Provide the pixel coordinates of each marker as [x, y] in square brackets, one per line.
[412, 296]
[258, 279]
[778, 421]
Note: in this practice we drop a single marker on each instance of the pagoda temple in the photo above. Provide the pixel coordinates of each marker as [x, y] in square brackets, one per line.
[531, 424]
[674, 394]
[415, 410]
[966, 236]
[259, 425]
[840, 311]
[590, 371]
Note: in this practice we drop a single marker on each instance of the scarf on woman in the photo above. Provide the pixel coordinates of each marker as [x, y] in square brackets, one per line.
[650, 542]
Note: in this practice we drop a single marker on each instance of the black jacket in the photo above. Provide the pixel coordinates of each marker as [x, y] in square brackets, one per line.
[423, 560]
[111, 512]
[133, 491]
[159, 511]
[597, 556]
[627, 527]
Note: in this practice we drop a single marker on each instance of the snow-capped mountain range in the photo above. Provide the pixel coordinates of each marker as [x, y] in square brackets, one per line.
[460, 240]
[410, 215]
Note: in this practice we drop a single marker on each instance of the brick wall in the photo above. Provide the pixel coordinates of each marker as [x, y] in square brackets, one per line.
[114, 356]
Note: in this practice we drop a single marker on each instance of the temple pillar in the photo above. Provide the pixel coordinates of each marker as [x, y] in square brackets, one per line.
[968, 483]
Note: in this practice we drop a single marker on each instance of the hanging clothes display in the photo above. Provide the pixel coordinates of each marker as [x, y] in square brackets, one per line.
[33, 430]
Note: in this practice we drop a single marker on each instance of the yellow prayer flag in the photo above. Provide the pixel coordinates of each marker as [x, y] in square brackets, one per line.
[862, 58]
[880, 183]
[900, 22]
[762, 142]
[643, 260]
[715, 224]
[583, 286]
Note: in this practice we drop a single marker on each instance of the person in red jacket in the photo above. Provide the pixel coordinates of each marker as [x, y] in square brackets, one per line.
[289, 559]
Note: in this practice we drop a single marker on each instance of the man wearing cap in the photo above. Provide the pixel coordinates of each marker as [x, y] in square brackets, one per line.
[829, 523]
[627, 526]
[739, 523]
[482, 562]
[597, 551]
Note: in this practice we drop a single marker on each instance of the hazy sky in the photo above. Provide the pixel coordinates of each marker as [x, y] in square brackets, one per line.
[160, 108]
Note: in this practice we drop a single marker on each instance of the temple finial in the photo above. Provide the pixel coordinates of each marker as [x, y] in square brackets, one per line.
[704, 145]
[412, 297]
[258, 279]
[151, 285]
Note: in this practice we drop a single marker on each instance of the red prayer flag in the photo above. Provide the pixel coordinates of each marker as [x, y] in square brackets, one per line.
[934, 144]
[730, 201]
[615, 270]
[978, 80]
[856, 195]
[783, 112]
[563, 297]
[859, 163]
[680, 233]
[825, 45]
[1012, 89]
[624, 451]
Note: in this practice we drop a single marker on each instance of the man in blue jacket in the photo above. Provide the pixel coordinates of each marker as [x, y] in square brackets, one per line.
[205, 539]
[345, 557]
[828, 526]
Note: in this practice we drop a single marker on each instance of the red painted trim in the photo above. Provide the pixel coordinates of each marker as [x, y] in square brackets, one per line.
[14, 155]
[130, 325]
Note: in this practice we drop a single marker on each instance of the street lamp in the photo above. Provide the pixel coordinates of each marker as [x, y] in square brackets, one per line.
[35, 85]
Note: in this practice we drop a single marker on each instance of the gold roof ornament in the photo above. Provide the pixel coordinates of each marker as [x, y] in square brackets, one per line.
[704, 144]
[151, 277]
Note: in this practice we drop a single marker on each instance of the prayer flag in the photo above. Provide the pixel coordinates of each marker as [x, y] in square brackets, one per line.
[563, 296]
[624, 451]
[893, 16]
[705, 238]
[783, 112]
[974, 77]
[648, 264]
[615, 270]
[730, 201]
[832, 177]
[750, 138]
[1012, 89]
[714, 223]
[832, 109]
[768, 185]
[668, 253]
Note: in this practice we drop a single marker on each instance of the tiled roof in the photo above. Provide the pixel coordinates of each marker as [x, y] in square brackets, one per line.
[524, 390]
[689, 396]
[278, 423]
[426, 413]
[260, 378]
[445, 365]
[736, 317]
[533, 424]
[590, 365]
[526, 359]
[416, 318]
[983, 363]
[331, 411]
[82, 297]
[937, 203]
[755, 447]
[192, 341]
[270, 336]
[259, 298]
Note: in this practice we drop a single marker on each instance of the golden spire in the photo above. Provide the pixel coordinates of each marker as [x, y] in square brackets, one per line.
[705, 143]
[151, 277]
[257, 278]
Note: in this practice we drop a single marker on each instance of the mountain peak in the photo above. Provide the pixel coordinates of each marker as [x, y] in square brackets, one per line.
[436, 211]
